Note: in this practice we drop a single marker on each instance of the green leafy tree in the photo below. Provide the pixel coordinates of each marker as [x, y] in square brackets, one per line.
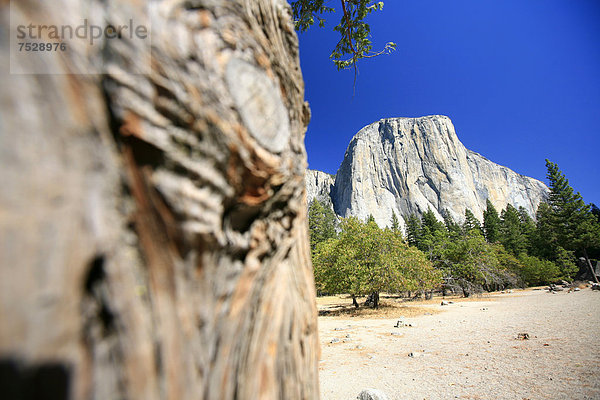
[472, 265]
[491, 223]
[510, 267]
[565, 261]
[355, 40]
[468, 262]
[535, 271]
[321, 223]
[365, 259]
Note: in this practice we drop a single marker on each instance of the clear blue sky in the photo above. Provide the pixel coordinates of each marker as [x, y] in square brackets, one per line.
[520, 79]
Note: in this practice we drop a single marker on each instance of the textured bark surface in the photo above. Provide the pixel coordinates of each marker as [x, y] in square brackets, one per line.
[153, 236]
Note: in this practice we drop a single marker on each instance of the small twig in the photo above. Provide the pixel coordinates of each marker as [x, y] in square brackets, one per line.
[349, 28]
[354, 52]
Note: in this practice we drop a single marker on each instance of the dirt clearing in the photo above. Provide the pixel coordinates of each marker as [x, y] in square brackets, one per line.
[524, 345]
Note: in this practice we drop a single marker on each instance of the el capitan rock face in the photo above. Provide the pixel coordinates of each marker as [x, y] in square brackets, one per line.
[318, 185]
[407, 165]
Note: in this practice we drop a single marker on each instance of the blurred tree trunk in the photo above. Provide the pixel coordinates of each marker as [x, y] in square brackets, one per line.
[153, 234]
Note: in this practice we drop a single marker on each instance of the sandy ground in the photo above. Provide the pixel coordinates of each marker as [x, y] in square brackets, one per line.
[470, 350]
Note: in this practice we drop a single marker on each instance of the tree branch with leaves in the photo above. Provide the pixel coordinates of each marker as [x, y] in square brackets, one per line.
[355, 33]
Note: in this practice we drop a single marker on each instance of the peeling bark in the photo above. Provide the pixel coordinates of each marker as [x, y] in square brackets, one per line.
[153, 234]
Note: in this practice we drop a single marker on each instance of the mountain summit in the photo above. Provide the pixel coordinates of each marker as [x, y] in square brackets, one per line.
[407, 165]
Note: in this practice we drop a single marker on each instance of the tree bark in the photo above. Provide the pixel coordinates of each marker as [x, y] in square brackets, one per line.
[153, 233]
[375, 299]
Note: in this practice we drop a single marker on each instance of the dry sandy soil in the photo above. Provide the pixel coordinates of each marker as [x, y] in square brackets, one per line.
[468, 349]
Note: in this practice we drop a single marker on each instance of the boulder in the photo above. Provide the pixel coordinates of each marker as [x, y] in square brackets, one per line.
[372, 394]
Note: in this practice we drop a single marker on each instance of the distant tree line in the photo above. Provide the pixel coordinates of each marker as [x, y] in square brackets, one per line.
[506, 249]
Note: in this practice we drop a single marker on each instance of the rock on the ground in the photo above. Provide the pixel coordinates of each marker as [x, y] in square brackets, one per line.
[372, 394]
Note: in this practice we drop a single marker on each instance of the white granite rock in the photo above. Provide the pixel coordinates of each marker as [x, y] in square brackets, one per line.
[318, 185]
[407, 165]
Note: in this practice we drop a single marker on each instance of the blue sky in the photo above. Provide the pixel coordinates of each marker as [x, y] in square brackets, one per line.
[520, 80]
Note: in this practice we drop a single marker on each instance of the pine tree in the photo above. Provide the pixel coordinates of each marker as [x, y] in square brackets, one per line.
[567, 222]
[321, 223]
[413, 230]
[511, 236]
[454, 229]
[527, 229]
[568, 210]
[432, 231]
[491, 223]
[433, 234]
[395, 226]
[471, 226]
[595, 210]
[545, 239]
[430, 222]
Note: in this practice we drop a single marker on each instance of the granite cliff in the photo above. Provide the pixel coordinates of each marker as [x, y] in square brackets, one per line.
[407, 165]
[318, 185]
